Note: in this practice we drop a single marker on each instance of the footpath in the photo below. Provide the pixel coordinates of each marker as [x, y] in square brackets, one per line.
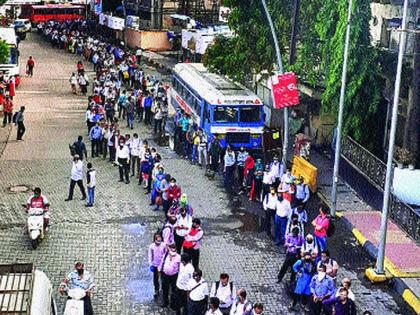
[402, 263]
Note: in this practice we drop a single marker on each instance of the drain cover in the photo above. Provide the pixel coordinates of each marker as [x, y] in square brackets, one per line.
[19, 188]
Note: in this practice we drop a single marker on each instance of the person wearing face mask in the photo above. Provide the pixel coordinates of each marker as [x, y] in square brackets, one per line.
[229, 169]
[168, 232]
[198, 293]
[270, 206]
[156, 253]
[304, 269]
[329, 263]
[240, 163]
[293, 245]
[276, 170]
[192, 242]
[173, 193]
[81, 279]
[322, 287]
[169, 269]
[293, 222]
[342, 304]
[122, 158]
[76, 178]
[158, 177]
[329, 304]
[182, 228]
[310, 246]
[301, 213]
[225, 291]
[185, 274]
[283, 210]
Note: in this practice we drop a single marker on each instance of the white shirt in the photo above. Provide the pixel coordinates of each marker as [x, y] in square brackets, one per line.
[283, 208]
[240, 308]
[184, 276]
[216, 312]
[77, 171]
[271, 202]
[268, 178]
[122, 153]
[92, 182]
[224, 294]
[183, 221]
[135, 147]
[198, 290]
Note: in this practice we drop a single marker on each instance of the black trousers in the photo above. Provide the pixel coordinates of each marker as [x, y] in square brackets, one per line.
[147, 115]
[96, 147]
[194, 255]
[197, 307]
[168, 286]
[111, 153]
[156, 283]
[182, 302]
[73, 184]
[178, 242]
[288, 263]
[269, 217]
[315, 308]
[105, 148]
[124, 169]
[7, 118]
[20, 130]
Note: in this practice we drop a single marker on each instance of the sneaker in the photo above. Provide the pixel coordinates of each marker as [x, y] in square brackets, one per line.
[68, 199]
[83, 198]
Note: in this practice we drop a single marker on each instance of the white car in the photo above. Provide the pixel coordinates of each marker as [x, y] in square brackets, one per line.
[26, 23]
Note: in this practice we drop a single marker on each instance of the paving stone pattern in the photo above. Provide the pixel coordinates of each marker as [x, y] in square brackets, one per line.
[112, 237]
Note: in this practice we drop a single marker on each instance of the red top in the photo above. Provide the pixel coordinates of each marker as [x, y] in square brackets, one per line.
[8, 106]
[31, 63]
[173, 192]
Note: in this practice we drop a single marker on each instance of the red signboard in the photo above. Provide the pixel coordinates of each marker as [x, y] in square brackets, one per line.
[284, 89]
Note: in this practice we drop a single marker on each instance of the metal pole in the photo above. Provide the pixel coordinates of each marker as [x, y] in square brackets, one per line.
[281, 70]
[389, 167]
[341, 112]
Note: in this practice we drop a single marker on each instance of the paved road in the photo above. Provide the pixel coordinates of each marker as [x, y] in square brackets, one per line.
[112, 237]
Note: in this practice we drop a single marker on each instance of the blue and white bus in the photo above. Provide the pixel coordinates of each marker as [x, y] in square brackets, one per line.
[221, 107]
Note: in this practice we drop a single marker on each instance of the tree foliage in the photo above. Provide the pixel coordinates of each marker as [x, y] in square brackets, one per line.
[4, 51]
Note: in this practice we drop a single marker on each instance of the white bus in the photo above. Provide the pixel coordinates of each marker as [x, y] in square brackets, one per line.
[11, 67]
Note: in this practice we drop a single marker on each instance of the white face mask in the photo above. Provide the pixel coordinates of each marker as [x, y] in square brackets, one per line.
[321, 276]
[172, 253]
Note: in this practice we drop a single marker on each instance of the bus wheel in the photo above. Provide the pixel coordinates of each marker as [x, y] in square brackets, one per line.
[171, 143]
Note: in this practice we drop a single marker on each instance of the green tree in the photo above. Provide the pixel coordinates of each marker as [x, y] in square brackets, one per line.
[363, 83]
[4, 51]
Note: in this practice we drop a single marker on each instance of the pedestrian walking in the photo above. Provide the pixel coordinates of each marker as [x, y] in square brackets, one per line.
[80, 148]
[169, 269]
[76, 178]
[83, 81]
[7, 111]
[30, 65]
[225, 291]
[91, 184]
[73, 83]
[185, 274]
[198, 293]
[156, 253]
[19, 122]
[192, 242]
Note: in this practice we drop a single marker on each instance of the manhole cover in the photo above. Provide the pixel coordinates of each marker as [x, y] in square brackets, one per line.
[19, 188]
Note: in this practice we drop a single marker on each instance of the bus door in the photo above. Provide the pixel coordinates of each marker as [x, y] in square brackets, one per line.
[205, 117]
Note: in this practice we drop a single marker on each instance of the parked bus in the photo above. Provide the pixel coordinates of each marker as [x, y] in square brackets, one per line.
[219, 106]
[56, 12]
[10, 68]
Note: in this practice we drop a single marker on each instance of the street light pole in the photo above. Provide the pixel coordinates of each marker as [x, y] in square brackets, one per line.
[281, 71]
[389, 167]
[341, 112]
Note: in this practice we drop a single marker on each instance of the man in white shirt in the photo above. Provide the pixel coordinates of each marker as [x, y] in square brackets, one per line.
[280, 220]
[185, 274]
[225, 291]
[242, 306]
[122, 158]
[270, 205]
[214, 307]
[76, 177]
[135, 154]
[198, 293]
[182, 228]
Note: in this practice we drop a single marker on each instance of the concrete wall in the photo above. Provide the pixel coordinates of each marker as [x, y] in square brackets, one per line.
[147, 40]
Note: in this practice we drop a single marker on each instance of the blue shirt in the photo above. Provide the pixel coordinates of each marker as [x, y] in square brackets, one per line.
[302, 192]
[322, 288]
[148, 102]
[95, 133]
[241, 158]
[74, 280]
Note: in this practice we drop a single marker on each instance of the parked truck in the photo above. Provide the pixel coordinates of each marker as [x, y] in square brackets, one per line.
[25, 290]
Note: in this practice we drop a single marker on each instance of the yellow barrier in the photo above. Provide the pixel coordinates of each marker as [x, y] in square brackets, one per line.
[306, 169]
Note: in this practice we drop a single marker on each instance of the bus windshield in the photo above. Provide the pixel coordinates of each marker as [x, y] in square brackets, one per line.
[227, 114]
[250, 114]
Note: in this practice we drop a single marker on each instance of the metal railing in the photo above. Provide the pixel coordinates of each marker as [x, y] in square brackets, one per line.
[374, 170]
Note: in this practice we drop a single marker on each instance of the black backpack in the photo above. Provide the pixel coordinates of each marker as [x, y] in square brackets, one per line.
[331, 226]
[14, 118]
[218, 284]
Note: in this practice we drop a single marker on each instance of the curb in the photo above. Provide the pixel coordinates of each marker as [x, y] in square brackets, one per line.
[398, 285]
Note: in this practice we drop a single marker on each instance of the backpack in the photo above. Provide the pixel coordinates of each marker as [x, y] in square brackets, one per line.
[331, 226]
[218, 284]
[14, 118]
[160, 231]
[72, 148]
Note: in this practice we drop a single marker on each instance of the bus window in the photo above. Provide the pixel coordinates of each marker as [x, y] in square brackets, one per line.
[226, 114]
[250, 114]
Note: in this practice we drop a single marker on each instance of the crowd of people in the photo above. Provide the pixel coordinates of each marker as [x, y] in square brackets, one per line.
[121, 92]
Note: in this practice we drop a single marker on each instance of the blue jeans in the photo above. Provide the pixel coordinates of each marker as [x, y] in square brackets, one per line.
[194, 153]
[322, 243]
[91, 195]
[130, 120]
[280, 224]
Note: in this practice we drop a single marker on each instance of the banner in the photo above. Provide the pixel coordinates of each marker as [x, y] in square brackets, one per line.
[224, 14]
[284, 90]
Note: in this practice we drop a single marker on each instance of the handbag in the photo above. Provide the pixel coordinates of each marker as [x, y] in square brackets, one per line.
[158, 200]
